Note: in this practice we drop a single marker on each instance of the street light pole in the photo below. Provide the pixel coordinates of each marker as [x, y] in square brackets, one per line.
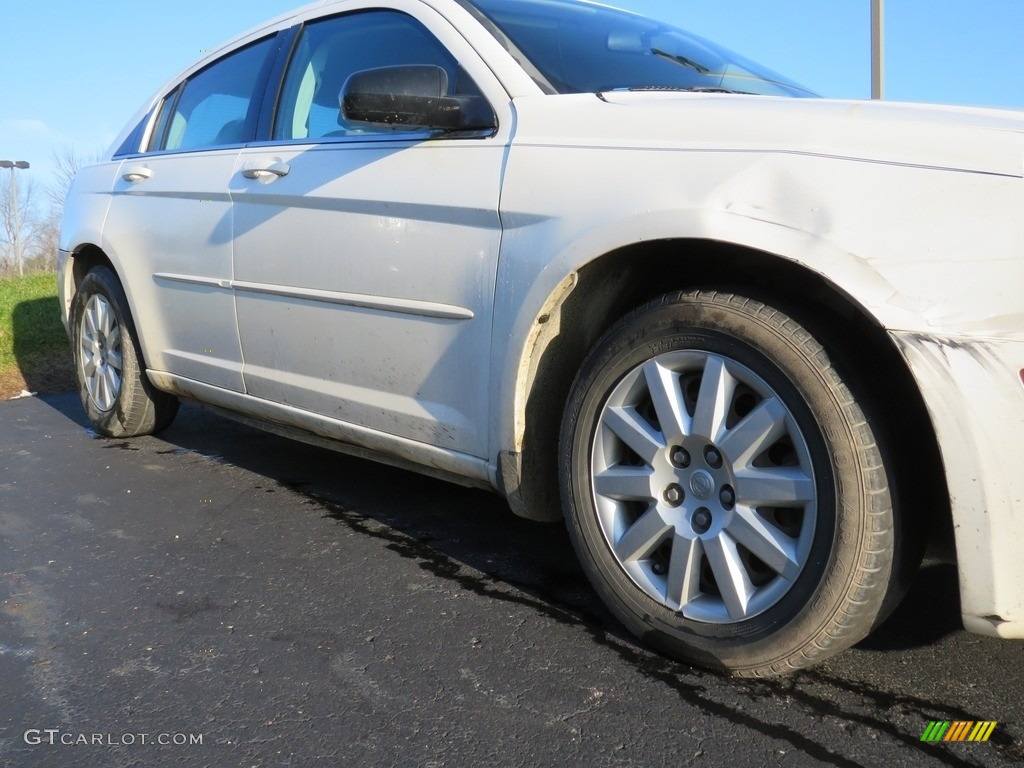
[22, 165]
[877, 49]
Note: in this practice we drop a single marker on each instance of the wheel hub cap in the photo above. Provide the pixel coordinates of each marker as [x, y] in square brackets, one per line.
[704, 486]
[100, 345]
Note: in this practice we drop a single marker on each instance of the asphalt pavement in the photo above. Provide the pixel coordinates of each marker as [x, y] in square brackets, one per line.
[219, 596]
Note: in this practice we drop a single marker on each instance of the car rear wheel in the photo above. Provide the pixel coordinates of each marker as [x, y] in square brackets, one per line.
[117, 396]
[723, 488]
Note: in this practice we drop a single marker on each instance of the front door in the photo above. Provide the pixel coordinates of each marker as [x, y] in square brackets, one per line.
[365, 259]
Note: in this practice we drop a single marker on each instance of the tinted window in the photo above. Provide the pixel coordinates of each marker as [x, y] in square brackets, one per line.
[332, 49]
[130, 145]
[215, 106]
[585, 48]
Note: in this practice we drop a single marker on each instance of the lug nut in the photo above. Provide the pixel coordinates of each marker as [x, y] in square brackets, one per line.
[660, 568]
[674, 495]
[680, 458]
[713, 457]
[701, 521]
[727, 497]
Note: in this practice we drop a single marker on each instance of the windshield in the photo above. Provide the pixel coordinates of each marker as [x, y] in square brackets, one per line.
[580, 47]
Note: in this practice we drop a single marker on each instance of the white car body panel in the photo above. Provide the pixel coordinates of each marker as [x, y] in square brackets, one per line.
[941, 222]
[182, 270]
[415, 319]
[916, 213]
[85, 218]
[393, 367]
[974, 398]
[340, 435]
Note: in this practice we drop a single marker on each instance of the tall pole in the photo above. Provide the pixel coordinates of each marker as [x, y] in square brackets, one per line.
[877, 49]
[17, 225]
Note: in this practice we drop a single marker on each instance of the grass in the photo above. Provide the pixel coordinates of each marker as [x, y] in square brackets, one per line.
[34, 351]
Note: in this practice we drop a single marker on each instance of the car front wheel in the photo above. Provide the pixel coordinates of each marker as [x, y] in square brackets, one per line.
[723, 488]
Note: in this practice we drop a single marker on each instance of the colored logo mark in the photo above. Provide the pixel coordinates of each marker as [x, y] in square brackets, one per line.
[958, 730]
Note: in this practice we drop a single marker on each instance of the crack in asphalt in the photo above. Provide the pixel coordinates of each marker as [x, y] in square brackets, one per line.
[658, 668]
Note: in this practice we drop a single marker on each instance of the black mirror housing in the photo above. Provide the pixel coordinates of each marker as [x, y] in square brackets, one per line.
[412, 97]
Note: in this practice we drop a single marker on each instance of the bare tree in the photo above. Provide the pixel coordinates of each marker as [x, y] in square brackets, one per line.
[18, 223]
[46, 227]
[39, 214]
[45, 240]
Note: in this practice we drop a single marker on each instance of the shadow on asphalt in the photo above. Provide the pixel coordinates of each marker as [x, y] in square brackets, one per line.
[440, 525]
[471, 539]
[429, 517]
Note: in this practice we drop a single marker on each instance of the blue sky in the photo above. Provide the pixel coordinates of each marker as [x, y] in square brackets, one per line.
[76, 72]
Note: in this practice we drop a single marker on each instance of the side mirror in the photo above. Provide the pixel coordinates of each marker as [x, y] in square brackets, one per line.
[412, 97]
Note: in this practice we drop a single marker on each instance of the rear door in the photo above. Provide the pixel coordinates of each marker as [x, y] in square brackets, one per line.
[169, 223]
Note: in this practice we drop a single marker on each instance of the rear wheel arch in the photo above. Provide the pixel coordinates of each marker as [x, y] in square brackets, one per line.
[110, 367]
[84, 259]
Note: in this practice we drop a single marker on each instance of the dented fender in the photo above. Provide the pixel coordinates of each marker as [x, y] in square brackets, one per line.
[975, 398]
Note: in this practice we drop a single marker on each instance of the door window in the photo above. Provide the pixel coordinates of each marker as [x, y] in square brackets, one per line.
[332, 49]
[217, 106]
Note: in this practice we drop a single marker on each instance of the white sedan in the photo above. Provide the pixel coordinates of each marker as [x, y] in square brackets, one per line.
[753, 345]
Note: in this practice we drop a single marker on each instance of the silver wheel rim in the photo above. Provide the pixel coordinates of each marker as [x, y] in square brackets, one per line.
[102, 362]
[704, 486]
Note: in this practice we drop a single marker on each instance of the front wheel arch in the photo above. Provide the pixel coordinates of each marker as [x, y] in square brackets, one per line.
[608, 287]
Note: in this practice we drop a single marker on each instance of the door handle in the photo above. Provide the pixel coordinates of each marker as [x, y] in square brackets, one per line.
[267, 171]
[137, 174]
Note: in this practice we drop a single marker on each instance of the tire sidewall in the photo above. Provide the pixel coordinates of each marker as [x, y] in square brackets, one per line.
[101, 281]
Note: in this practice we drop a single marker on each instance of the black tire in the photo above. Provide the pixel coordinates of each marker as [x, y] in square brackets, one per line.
[117, 396]
[662, 524]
